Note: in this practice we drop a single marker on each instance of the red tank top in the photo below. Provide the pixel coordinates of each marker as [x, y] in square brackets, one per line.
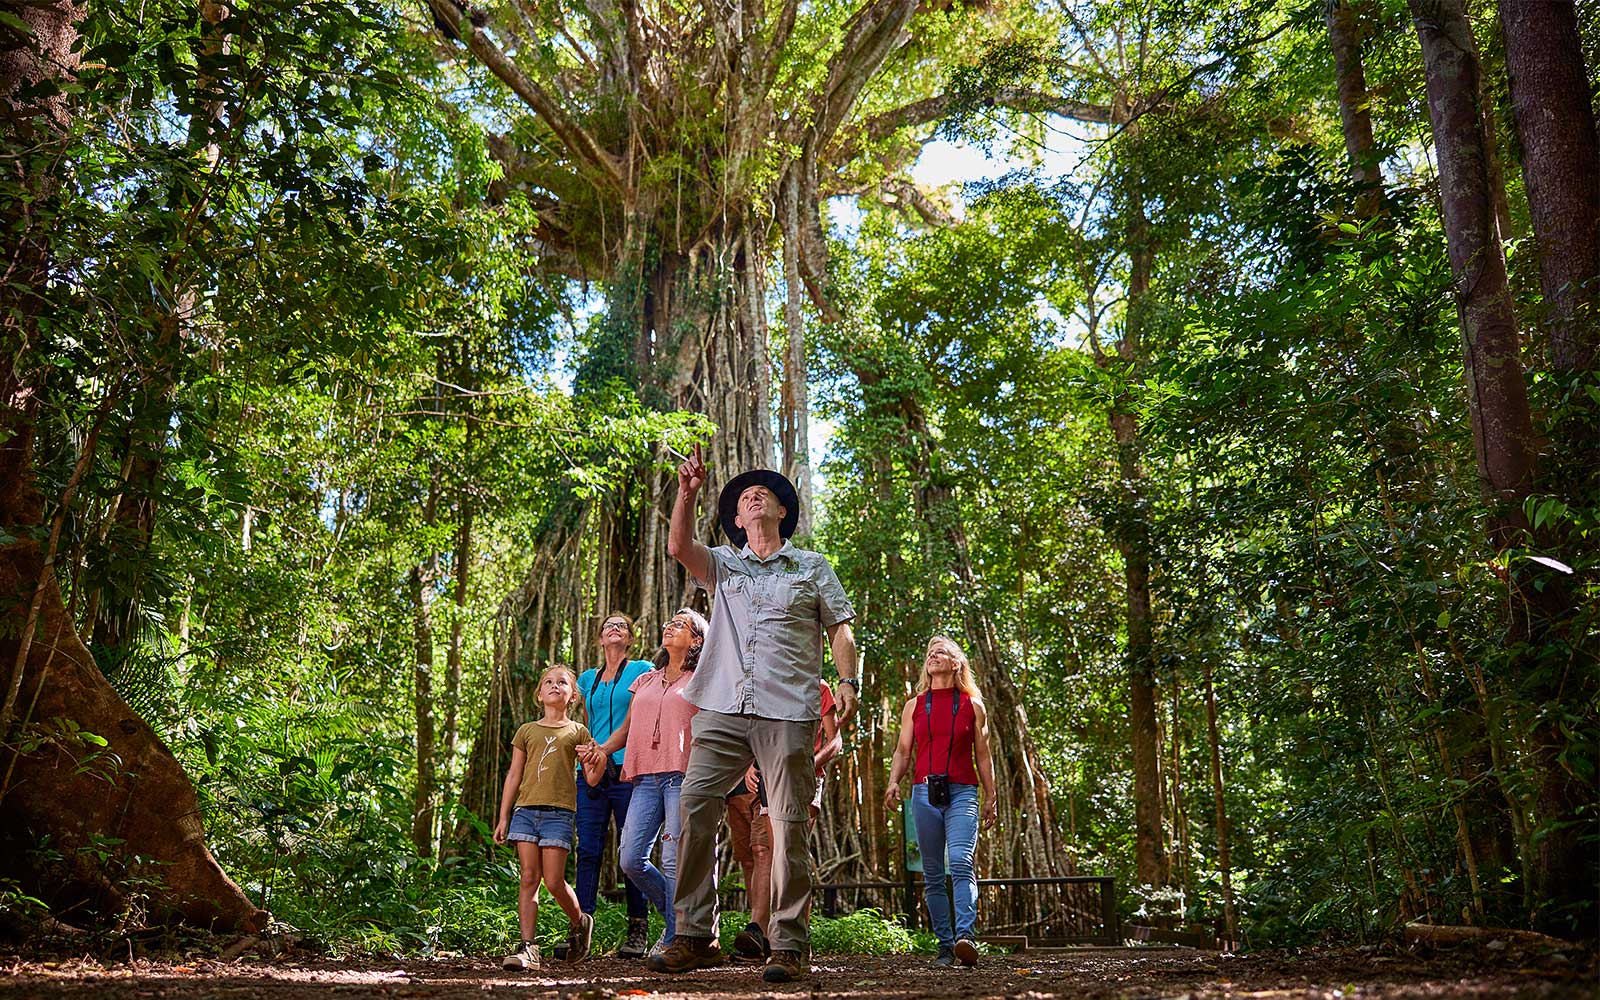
[931, 735]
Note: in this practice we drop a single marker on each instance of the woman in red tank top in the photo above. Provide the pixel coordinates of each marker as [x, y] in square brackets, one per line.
[944, 731]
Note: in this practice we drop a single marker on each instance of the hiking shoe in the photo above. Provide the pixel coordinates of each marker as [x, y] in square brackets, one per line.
[946, 958]
[685, 954]
[638, 939]
[966, 951]
[523, 959]
[785, 966]
[559, 952]
[580, 938]
[751, 945]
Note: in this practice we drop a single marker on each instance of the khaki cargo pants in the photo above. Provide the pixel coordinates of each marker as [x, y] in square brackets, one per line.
[723, 747]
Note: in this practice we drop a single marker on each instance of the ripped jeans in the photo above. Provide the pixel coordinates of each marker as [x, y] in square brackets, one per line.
[653, 811]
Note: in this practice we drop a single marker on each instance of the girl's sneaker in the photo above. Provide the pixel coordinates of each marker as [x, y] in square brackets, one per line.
[523, 959]
[578, 941]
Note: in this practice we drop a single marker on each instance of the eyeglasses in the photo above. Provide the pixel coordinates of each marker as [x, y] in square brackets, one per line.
[675, 624]
[614, 626]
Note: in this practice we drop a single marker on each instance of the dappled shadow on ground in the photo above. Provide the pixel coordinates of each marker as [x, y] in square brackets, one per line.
[1109, 973]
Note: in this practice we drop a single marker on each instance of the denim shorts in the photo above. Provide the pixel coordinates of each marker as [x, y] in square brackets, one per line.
[547, 826]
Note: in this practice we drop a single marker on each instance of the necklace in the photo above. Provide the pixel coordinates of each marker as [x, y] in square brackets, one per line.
[666, 691]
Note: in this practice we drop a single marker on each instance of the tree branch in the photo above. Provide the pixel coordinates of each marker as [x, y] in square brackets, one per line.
[873, 34]
[932, 109]
[913, 197]
[1083, 36]
[577, 140]
[774, 51]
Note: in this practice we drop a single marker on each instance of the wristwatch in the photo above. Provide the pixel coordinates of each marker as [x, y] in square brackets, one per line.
[854, 682]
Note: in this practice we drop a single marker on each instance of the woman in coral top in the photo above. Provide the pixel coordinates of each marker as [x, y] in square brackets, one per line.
[948, 728]
[656, 734]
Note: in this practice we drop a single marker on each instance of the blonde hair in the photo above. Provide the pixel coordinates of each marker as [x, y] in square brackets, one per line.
[575, 707]
[964, 679]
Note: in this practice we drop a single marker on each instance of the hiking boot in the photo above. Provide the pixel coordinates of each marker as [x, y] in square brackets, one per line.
[685, 954]
[579, 939]
[946, 958]
[751, 945]
[967, 952]
[638, 940]
[524, 959]
[785, 966]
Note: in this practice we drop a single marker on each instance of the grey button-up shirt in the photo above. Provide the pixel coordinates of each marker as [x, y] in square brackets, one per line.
[763, 653]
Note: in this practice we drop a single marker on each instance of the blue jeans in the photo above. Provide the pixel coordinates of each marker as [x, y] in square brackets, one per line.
[655, 805]
[610, 798]
[949, 830]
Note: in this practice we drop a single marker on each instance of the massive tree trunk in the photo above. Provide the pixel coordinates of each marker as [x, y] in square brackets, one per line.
[1561, 169]
[1502, 425]
[1354, 113]
[661, 164]
[696, 330]
[57, 783]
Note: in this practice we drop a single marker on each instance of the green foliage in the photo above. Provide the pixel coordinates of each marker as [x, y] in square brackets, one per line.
[1309, 502]
[864, 932]
[340, 383]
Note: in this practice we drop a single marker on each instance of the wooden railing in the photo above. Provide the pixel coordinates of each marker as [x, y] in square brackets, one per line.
[1033, 912]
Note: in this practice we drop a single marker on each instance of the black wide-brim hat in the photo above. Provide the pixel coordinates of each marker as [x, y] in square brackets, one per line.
[777, 482]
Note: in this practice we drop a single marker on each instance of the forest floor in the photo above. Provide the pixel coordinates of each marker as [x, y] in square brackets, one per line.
[1385, 973]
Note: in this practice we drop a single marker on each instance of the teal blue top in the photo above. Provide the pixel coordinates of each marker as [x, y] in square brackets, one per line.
[608, 701]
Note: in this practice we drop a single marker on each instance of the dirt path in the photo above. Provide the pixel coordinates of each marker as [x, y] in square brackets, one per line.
[1119, 973]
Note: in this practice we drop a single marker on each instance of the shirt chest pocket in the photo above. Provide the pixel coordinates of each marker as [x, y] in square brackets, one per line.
[777, 597]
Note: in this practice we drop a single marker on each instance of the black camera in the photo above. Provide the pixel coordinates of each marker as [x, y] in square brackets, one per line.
[938, 789]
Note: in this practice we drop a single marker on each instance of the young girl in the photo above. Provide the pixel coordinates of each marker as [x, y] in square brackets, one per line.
[947, 727]
[539, 785]
[658, 752]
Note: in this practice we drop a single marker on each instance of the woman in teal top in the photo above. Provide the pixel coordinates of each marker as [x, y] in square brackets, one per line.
[606, 695]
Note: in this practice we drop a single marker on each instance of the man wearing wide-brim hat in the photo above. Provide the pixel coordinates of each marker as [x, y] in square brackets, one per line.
[756, 688]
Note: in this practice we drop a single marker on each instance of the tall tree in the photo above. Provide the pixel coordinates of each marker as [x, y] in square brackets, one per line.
[79, 765]
[1561, 171]
[1502, 422]
[665, 148]
[1503, 430]
[1555, 121]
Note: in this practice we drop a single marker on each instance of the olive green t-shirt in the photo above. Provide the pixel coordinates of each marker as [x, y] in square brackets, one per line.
[551, 757]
